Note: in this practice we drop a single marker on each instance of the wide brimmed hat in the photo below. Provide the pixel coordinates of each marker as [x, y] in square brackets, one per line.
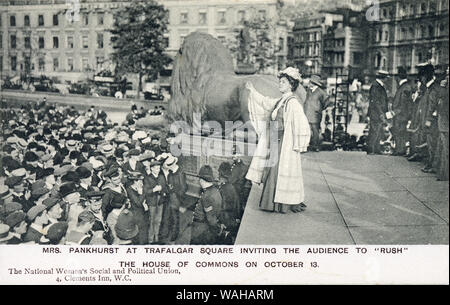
[126, 227]
[292, 72]
[316, 80]
[170, 161]
[382, 73]
[206, 173]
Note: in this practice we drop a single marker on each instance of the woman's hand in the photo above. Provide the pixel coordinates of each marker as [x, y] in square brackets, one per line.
[249, 86]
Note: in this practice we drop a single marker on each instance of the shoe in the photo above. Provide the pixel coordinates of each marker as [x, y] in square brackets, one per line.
[414, 158]
[428, 170]
[303, 205]
[296, 208]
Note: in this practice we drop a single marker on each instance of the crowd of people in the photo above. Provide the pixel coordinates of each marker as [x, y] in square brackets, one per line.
[416, 115]
[74, 177]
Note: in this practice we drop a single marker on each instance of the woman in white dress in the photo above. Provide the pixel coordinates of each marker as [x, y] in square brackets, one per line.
[285, 135]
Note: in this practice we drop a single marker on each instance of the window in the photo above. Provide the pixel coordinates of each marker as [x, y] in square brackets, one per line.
[27, 42]
[41, 43]
[386, 35]
[85, 41]
[13, 41]
[86, 19]
[41, 64]
[411, 33]
[202, 18]
[70, 64]
[70, 42]
[423, 8]
[430, 31]
[422, 31]
[12, 21]
[166, 42]
[221, 17]
[241, 16]
[85, 64]
[99, 62]
[1, 63]
[55, 64]
[384, 13]
[99, 41]
[55, 19]
[13, 63]
[55, 42]
[1, 42]
[262, 14]
[184, 17]
[27, 61]
[41, 20]
[403, 34]
[101, 19]
[26, 20]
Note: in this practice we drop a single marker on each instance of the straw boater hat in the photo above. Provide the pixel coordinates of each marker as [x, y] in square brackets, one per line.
[5, 235]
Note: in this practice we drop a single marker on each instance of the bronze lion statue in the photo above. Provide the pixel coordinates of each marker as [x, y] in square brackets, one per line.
[204, 82]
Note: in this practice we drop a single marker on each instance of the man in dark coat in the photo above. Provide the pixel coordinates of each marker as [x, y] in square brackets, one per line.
[138, 205]
[231, 209]
[429, 118]
[155, 190]
[401, 111]
[441, 108]
[316, 102]
[378, 106]
[206, 226]
[177, 186]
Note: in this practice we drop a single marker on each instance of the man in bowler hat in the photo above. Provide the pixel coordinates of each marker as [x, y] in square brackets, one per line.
[378, 107]
[401, 111]
[316, 102]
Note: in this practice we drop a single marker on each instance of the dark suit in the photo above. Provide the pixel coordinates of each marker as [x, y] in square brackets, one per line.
[378, 106]
[140, 215]
[402, 108]
[431, 97]
[206, 225]
[316, 102]
[443, 127]
[32, 235]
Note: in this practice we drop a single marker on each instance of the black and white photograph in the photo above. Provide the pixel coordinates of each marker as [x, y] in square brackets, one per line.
[264, 123]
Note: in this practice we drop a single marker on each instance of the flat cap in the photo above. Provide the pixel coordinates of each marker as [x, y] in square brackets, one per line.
[83, 172]
[57, 231]
[35, 211]
[15, 218]
[50, 202]
[13, 180]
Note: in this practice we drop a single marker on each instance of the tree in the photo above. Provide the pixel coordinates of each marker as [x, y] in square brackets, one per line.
[254, 43]
[138, 39]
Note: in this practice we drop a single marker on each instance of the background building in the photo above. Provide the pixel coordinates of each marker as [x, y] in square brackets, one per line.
[409, 33]
[69, 43]
[307, 41]
[344, 46]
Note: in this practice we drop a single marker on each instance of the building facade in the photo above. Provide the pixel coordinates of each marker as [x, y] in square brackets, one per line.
[70, 40]
[345, 46]
[408, 33]
[307, 41]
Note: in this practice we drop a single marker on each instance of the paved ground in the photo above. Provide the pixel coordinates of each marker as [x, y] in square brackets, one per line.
[353, 198]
